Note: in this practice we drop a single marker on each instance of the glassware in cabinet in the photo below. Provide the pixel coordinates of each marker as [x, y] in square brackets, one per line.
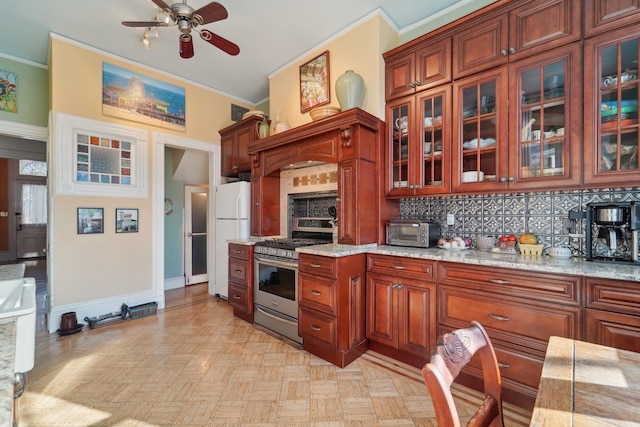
[542, 121]
[613, 156]
[400, 127]
[479, 135]
[619, 107]
[433, 146]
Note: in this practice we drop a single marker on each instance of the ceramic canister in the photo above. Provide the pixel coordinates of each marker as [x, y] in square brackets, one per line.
[68, 321]
[349, 90]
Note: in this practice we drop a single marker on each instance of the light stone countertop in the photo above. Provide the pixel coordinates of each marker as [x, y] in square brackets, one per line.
[574, 266]
[546, 264]
[12, 271]
[7, 354]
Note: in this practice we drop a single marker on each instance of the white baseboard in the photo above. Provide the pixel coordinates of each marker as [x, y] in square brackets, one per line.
[100, 307]
[174, 283]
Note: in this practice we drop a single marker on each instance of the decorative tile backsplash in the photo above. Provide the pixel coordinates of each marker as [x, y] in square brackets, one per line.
[545, 214]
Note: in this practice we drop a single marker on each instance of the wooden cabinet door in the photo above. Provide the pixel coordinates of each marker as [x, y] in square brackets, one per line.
[481, 46]
[543, 25]
[433, 65]
[545, 139]
[613, 329]
[611, 108]
[480, 143]
[417, 317]
[228, 156]
[400, 146]
[605, 15]
[265, 207]
[399, 77]
[244, 138]
[431, 147]
[382, 319]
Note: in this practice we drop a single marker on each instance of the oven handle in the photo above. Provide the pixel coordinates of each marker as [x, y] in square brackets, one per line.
[277, 263]
[280, 319]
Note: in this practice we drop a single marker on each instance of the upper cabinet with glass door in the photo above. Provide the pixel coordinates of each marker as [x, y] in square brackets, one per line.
[612, 124]
[480, 132]
[545, 96]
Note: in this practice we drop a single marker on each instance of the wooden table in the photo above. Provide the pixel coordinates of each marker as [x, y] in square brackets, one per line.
[586, 384]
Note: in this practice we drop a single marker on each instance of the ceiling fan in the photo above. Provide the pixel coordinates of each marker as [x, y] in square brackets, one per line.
[187, 19]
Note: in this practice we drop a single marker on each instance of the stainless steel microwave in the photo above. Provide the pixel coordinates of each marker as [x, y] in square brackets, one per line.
[409, 232]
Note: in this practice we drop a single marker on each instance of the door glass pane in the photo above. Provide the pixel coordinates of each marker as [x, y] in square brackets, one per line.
[400, 147]
[619, 107]
[199, 212]
[198, 254]
[542, 121]
[34, 204]
[479, 133]
[432, 144]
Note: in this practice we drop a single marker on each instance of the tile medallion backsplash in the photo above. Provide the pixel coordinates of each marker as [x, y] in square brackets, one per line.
[545, 214]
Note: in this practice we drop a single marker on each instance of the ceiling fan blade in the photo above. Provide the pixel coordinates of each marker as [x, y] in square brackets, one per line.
[144, 24]
[186, 46]
[220, 42]
[162, 5]
[212, 12]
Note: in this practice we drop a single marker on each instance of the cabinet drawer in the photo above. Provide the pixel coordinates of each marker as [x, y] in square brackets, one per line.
[613, 295]
[423, 269]
[554, 288]
[515, 364]
[317, 292]
[318, 326]
[317, 265]
[521, 321]
[238, 297]
[613, 330]
[239, 271]
[239, 251]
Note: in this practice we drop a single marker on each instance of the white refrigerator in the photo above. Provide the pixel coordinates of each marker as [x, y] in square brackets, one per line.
[232, 222]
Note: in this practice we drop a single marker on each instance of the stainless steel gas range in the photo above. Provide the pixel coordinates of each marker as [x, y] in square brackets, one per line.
[276, 275]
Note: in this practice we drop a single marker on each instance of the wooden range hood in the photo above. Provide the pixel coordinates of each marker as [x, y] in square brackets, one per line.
[353, 139]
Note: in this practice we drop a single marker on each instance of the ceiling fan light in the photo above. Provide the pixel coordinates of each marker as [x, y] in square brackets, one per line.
[146, 42]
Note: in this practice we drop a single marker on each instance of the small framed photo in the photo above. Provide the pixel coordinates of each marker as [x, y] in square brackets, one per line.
[126, 220]
[90, 220]
[314, 83]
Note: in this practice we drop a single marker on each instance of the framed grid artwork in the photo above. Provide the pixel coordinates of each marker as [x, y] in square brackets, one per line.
[98, 158]
[102, 159]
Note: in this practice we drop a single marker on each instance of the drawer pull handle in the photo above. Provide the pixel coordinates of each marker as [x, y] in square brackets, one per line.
[498, 317]
[236, 296]
[500, 281]
[238, 271]
[315, 328]
[399, 267]
[503, 365]
[316, 293]
[314, 265]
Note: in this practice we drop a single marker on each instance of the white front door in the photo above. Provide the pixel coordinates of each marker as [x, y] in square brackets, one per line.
[195, 232]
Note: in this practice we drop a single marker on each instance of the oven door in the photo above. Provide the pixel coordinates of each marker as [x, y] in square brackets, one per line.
[276, 284]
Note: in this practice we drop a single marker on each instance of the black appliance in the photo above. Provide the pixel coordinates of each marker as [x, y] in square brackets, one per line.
[612, 231]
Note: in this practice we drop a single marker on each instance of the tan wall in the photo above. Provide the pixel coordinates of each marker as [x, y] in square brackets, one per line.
[87, 267]
[359, 49]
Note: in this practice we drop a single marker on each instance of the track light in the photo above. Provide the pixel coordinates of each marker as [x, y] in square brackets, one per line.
[146, 42]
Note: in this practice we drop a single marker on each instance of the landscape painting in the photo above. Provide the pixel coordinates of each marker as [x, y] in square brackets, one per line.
[133, 96]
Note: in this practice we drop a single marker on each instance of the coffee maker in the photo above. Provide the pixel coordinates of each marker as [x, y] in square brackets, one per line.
[612, 231]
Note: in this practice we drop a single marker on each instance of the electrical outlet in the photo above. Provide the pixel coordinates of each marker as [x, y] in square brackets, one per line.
[451, 219]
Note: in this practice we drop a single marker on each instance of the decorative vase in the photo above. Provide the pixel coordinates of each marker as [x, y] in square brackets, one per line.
[349, 90]
[263, 128]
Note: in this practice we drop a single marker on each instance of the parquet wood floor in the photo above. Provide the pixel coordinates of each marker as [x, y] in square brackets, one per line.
[195, 364]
